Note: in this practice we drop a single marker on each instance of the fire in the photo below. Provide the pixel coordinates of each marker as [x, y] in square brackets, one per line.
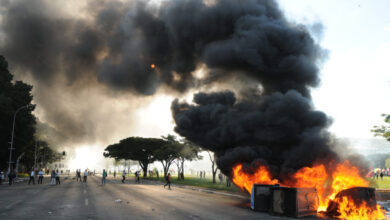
[349, 210]
[245, 181]
[312, 177]
[327, 183]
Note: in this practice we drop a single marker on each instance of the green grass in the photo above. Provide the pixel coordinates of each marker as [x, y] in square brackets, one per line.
[205, 183]
[382, 184]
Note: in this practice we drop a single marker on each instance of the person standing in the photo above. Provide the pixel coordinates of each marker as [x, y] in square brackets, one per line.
[58, 178]
[137, 177]
[32, 177]
[78, 175]
[85, 175]
[104, 175]
[11, 177]
[40, 176]
[168, 179]
[1, 177]
[114, 173]
[53, 177]
[123, 176]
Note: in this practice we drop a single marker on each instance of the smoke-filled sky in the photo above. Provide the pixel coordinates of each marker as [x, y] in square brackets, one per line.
[90, 61]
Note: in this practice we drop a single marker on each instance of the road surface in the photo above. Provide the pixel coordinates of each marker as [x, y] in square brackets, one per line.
[91, 200]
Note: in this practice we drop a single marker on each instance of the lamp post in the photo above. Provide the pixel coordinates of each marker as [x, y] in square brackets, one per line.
[12, 137]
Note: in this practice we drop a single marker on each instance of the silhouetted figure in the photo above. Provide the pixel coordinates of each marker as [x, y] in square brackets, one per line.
[53, 177]
[381, 175]
[168, 179]
[32, 177]
[220, 177]
[40, 177]
[114, 173]
[1, 177]
[11, 177]
[123, 176]
[137, 176]
[58, 182]
[104, 175]
[78, 175]
[228, 182]
[85, 176]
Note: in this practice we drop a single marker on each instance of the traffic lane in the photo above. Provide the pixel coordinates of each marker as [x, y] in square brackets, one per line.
[180, 203]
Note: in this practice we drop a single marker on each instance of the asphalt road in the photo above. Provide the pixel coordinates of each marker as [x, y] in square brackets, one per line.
[91, 200]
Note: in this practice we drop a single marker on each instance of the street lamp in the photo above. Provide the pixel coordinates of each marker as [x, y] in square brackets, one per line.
[12, 137]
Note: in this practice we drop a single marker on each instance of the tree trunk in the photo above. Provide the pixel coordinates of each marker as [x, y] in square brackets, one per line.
[178, 169]
[144, 166]
[182, 169]
[214, 172]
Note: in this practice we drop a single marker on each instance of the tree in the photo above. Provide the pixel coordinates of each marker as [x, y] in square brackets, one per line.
[13, 96]
[382, 130]
[135, 148]
[214, 167]
[168, 152]
[188, 152]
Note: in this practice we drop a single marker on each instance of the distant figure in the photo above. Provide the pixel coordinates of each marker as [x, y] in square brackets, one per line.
[58, 178]
[137, 176]
[168, 179]
[85, 175]
[32, 177]
[228, 182]
[40, 176]
[1, 177]
[78, 175]
[157, 174]
[200, 174]
[123, 176]
[104, 175]
[220, 177]
[53, 177]
[11, 177]
[114, 173]
[381, 175]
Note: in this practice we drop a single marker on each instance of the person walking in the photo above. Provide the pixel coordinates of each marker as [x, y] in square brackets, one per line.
[78, 175]
[168, 179]
[114, 173]
[58, 178]
[11, 177]
[53, 177]
[137, 177]
[40, 176]
[85, 175]
[381, 175]
[32, 177]
[104, 175]
[123, 176]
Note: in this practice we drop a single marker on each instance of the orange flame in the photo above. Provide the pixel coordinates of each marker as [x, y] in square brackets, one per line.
[152, 66]
[245, 181]
[344, 176]
[350, 211]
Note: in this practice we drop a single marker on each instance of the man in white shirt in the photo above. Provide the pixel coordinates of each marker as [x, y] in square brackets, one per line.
[32, 177]
[40, 176]
[85, 175]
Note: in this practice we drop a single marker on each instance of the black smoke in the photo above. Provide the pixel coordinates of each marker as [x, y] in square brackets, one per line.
[282, 129]
[72, 51]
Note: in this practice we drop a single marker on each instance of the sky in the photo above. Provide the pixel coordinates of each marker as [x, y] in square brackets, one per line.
[355, 85]
[354, 88]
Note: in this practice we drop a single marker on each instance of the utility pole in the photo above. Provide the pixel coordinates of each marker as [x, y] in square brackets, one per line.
[35, 155]
[12, 137]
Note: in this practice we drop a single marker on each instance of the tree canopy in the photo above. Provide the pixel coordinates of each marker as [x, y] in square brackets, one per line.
[383, 130]
[14, 95]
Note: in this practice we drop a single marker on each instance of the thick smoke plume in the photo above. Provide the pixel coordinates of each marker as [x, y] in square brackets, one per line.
[79, 54]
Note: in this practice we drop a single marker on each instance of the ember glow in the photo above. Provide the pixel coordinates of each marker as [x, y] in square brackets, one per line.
[327, 184]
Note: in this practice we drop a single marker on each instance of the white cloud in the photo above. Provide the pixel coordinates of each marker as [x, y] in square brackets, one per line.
[387, 28]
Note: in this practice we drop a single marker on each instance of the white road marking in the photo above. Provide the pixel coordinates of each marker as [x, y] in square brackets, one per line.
[12, 204]
[86, 202]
